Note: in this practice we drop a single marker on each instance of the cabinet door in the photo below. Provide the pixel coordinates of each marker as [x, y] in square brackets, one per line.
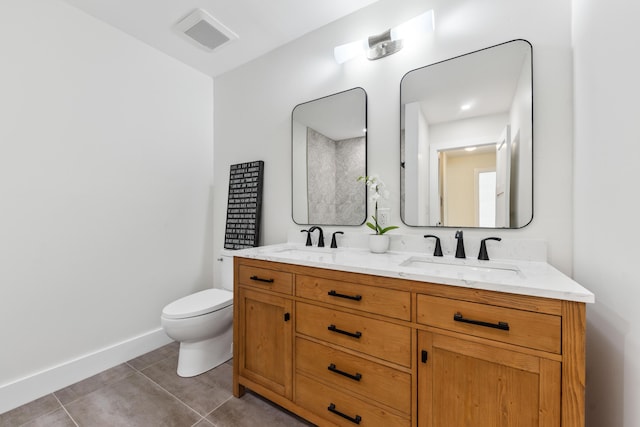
[463, 383]
[265, 340]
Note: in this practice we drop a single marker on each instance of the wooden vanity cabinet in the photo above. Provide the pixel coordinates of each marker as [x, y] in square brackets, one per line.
[465, 383]
[497, 360]
[353, 359]
[487, 385]
[263, 330]
[344, 349]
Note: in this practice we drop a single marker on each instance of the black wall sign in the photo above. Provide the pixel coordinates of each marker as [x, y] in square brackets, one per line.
[244, 205]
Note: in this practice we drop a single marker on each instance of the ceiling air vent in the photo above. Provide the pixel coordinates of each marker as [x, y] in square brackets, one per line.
[205, 31]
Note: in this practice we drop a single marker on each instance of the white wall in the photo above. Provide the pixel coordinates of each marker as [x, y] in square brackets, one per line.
[423, 170]
[265, 91]
[521, 142]
[416, 168]
[300, 210]
[607, 205]
[479, 130]
[105, 188]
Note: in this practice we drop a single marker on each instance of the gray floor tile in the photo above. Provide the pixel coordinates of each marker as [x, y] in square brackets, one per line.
[156, 397]
[133, 401]
[57, 418]
[91, 384]
[204, 392]
[148, 359]
[250, 411]
[30, 411]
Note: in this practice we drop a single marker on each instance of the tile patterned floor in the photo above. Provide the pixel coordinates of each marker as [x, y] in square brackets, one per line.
[147, 392]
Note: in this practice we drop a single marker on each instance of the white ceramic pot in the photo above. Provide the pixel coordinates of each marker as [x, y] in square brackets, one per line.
[378, 243]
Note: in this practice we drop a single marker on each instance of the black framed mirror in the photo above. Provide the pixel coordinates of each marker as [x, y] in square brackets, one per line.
[328, 154]
[466, 140]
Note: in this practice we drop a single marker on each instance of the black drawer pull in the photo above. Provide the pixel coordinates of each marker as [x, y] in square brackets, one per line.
[353, 297]
[333, 368]
[332, 408]
[500, 325]
[260, 279]
[333, 328]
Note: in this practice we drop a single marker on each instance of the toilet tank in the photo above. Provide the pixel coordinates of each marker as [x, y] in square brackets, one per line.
[226, 275]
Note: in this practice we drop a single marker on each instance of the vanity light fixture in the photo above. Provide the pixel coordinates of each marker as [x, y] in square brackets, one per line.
[470, 148]
[386, 43]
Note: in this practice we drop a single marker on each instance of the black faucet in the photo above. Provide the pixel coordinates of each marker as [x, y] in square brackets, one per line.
[438, 250]
[334, 244]
[460, 247]
[320, 237]
[308, 237]
[483, 255]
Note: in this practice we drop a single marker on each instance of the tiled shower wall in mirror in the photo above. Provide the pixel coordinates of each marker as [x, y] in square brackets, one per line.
[335, 195]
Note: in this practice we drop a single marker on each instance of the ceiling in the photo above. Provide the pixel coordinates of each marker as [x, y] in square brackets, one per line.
[261, 25]
[486, 80]
[339, 116]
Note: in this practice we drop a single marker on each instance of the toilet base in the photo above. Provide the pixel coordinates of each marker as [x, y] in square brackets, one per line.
[196, 358]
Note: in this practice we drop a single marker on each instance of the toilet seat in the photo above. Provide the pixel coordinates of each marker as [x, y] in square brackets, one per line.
[197, 304]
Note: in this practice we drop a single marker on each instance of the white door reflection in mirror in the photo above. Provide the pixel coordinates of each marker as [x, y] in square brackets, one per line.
[486, 198]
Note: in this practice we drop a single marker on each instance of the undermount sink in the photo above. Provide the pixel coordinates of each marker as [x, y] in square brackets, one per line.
[461, 267]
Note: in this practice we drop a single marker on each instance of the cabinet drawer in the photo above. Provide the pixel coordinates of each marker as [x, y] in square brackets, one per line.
[387, 302]
[341, 408]
[374, 337]
[345, 371]
[263, 278]
[519, 327]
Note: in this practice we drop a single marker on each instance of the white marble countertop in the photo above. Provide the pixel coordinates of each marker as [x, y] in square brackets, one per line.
[532, 278]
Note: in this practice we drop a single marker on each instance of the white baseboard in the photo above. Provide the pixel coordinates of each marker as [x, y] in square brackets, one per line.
[39, 384]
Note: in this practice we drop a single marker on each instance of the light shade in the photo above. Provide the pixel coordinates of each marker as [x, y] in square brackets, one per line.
[348, 51]
[415, 27]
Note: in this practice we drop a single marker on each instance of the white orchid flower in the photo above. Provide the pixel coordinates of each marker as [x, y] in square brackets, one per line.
[378, 191]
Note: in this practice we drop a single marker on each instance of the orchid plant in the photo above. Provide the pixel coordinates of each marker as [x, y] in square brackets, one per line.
[377, 192]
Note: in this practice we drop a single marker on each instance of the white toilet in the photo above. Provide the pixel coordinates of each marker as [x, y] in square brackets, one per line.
[203, 325]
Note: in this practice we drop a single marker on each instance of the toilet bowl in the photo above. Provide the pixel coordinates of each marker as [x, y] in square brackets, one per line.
[203, 325]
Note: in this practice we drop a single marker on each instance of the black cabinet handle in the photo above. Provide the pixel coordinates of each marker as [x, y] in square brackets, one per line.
[333, 328]
[500, 325]
[356, 377]
[355, 420]
[260, 279]
[333, 293]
